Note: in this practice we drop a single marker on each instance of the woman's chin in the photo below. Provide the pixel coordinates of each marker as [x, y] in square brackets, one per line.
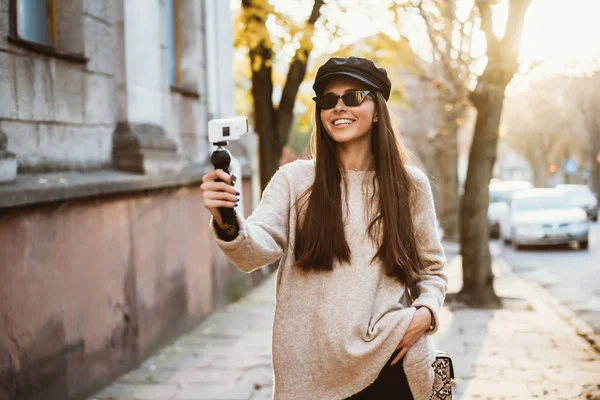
[344, 137]
[341, 136]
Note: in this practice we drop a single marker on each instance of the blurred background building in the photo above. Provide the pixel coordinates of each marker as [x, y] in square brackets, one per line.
[104, 246]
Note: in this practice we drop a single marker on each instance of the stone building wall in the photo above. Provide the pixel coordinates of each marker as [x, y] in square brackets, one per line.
[59, 113]
[63, 114]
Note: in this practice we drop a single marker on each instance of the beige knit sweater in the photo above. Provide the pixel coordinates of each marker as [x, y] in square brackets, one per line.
[333, 332]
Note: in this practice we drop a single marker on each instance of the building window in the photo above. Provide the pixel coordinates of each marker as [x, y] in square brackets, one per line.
[173, 42]
[43, 27]
[36, 21]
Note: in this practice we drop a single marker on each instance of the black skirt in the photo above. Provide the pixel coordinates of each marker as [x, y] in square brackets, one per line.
[390, 384]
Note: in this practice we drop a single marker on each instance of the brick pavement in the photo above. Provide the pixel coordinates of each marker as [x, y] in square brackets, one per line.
[530, 349]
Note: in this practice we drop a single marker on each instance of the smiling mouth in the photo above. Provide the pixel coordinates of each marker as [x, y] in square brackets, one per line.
[342, 121]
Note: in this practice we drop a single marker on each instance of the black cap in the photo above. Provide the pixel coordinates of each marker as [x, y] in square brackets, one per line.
[361, 69]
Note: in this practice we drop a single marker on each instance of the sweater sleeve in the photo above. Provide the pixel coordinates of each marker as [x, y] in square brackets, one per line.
[263, 237]
[431, 289]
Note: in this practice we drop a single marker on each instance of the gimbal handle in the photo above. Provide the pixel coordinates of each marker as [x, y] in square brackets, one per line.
[220, 159]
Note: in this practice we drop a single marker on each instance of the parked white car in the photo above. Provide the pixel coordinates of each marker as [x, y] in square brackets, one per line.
[582, 196]
[544, 216]
[500, 194]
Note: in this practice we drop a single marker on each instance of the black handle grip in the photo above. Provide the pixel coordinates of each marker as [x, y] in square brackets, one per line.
[221, 158]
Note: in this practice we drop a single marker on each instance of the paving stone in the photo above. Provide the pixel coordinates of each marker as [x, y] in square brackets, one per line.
[262, 394]
[144, 375]
[573, 375]
[183, 361]
[479, 388]
[205, 375]
[261, 376]
[554, 390]
[239, 390]
[522, 374]
[121, 391]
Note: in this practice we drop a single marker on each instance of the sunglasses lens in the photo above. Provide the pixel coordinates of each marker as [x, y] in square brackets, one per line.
[328, 101]
[353, 99]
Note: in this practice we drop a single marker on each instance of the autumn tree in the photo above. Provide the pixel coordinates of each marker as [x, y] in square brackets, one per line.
[272, 122]
[487, 98]
[586, 98]
[451, 73]
[550, 130]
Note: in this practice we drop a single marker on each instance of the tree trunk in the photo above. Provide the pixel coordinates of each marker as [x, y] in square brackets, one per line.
[542, 164]
[269, 155]
[446, 178]
[488, 98]
[594, 180]
[478, 280]
[265, 116]
[534, 163]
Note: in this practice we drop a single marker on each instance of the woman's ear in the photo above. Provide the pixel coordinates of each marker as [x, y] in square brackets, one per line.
[375, 119]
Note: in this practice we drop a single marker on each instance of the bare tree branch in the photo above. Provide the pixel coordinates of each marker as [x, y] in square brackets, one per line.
[514, 26]
[485, 12]
[296, 75]
[437, 45]
[514, 23]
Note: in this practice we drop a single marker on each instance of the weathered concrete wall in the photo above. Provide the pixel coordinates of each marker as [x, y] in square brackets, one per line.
[58, 114]
[88, 288]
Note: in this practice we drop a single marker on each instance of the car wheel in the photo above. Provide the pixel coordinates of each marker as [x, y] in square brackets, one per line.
[583, 245]
[516, 245]
[505, 239]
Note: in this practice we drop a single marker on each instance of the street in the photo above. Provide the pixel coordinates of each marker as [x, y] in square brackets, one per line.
[570, 274]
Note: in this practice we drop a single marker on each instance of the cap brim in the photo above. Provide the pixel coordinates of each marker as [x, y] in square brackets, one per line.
[319, 85]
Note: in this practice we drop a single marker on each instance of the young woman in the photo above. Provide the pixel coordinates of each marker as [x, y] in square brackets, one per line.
[354, 230]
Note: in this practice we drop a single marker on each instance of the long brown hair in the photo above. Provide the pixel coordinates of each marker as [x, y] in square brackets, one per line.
[319, 238]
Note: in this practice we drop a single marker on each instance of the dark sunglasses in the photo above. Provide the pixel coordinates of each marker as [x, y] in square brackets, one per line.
[350, 99]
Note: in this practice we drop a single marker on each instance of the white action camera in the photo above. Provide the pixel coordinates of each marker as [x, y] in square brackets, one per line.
[226, 129]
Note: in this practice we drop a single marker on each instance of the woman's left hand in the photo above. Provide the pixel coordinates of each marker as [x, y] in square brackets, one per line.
[418, 326]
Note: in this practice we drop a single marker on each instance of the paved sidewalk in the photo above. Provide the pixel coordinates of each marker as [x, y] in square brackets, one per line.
[528, 350]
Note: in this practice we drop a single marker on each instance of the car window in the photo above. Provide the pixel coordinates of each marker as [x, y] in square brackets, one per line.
[540, 203]
[502, 192]
[577, 190]
[500, 196]
[581, 196]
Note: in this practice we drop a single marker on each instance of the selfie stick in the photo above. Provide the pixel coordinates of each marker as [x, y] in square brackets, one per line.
[220, 159]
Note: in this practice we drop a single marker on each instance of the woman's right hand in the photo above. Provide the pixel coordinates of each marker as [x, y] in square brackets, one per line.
[219, 194]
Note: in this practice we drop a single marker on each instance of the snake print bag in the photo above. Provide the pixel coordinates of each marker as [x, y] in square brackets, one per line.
[443, 376]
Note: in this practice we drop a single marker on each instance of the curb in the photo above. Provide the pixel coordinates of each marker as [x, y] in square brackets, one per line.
[582, 328]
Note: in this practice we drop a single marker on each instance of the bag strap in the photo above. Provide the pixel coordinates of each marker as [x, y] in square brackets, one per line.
[443, 355]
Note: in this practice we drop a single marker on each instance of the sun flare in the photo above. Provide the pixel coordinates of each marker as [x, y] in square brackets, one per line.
[564, 35]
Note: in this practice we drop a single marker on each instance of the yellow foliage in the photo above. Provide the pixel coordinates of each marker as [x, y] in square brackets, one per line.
[251, 30]
[306, 44]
